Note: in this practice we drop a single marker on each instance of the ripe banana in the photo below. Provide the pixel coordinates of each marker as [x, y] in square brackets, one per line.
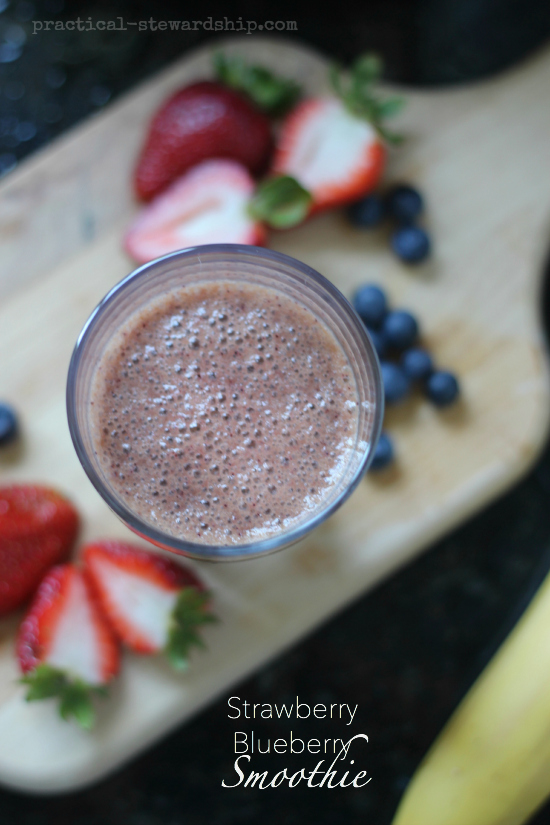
[491, 763]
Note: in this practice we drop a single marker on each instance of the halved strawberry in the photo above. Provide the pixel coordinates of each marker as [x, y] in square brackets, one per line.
[38, 527]
[152, 603]
[334, 155]
[206, 205]
[65, 646]
[335, 146]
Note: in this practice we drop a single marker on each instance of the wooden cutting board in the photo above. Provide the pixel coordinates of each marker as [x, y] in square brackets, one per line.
[481, 154]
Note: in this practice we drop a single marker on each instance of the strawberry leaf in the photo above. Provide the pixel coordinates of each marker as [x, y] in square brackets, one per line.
[367, 68]
[355, 89]
[391, 106]
[47, 682]
[188, 615]
[281, 202]
[274, 95]
[390, 137]
[44, 682]
[76, 702]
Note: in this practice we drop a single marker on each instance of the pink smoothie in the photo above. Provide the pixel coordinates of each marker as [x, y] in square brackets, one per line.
[223, 413]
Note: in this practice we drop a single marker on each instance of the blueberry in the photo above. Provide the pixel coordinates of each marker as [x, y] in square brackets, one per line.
[405, 204]
[396, 383]
[400, 329]
[383, 454]
[367, 212]
[371, 305]
[379, 340]
[411, 244]
[442, 388]
[8, 424]
[417, 363]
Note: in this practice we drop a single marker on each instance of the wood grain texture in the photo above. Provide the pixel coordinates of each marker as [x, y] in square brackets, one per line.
[482, 156]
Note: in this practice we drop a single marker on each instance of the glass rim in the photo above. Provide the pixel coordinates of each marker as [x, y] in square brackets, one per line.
[213, 552]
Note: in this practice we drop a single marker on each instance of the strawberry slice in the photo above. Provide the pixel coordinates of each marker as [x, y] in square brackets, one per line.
[153, 603]
[65, 647]
[201, 121]
[335, 146]
[336, 156]
[206, 205]
[38, 527]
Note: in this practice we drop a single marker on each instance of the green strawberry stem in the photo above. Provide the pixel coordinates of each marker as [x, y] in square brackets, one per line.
[274, 95]
[356, 92]
[189, 613]
[281, 202]
[75, 695]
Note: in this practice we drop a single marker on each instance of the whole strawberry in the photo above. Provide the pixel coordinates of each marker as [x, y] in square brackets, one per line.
[152, 603]
[38, 527]
[201, 121]
[65, 647]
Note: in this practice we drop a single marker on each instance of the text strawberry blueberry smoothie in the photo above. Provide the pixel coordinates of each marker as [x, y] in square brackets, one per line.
[224, 412]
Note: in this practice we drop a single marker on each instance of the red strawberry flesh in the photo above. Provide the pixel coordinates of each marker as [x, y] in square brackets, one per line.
[206, 205]
[38, 528]
[201, 121]
[336, 156]
[65, 629]
[138, 591]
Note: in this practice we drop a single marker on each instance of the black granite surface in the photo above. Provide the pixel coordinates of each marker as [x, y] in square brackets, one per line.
[406, 652]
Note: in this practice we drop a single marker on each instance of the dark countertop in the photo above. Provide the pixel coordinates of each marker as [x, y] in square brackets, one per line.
[404, 653]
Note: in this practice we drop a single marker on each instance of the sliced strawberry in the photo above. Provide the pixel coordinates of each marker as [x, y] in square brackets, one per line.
[206, 205]
[153, 603]
[65, 646]
[201, 121]
[333, 146]
[38, 527]
[336, 156]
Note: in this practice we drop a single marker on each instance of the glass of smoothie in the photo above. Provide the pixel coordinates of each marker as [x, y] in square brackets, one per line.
[224, 400]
